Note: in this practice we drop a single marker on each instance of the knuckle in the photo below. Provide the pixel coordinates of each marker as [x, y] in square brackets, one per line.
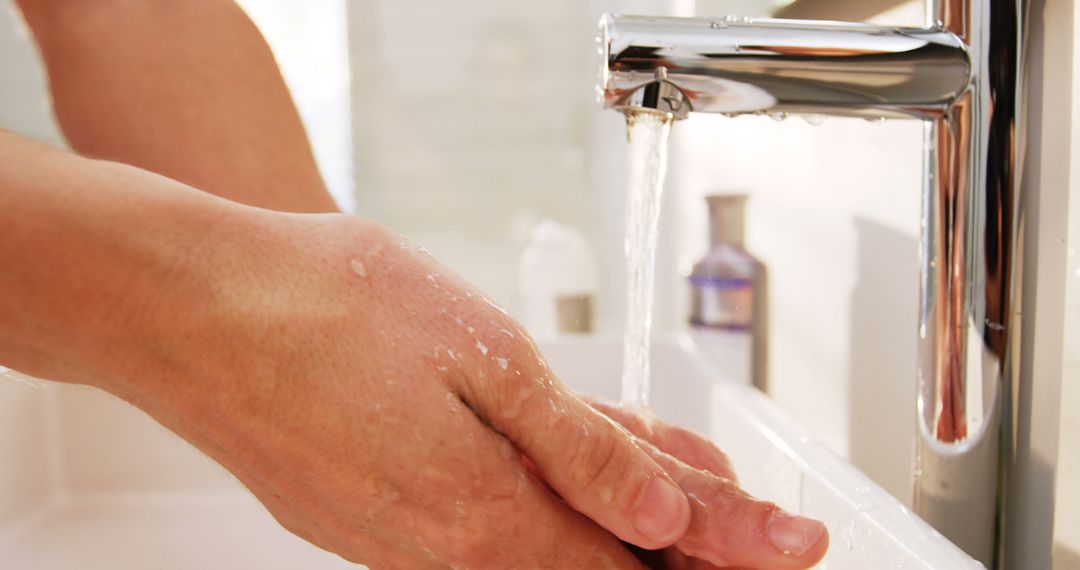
[729, 504]
[595, 462]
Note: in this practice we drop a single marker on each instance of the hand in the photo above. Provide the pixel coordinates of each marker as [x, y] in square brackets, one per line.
[380, 408]
[729, 528]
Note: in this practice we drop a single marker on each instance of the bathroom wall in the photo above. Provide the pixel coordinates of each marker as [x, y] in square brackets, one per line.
[470, 122]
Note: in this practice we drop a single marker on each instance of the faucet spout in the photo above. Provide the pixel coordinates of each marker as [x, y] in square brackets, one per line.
[657, 96]
[738, 66]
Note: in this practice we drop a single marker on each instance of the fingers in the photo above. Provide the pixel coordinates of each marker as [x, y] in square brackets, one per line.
[731, 528]
[502, 517]
[683, 444]
[590, 461]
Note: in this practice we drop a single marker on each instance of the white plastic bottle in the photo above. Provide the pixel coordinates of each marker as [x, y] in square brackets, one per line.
[558, 281]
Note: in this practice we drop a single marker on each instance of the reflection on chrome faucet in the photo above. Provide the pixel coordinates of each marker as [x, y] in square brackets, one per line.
[960, 74]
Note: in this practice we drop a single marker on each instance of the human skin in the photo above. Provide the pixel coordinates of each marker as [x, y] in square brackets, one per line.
[104, 103]
[188, 90]
[376, 404]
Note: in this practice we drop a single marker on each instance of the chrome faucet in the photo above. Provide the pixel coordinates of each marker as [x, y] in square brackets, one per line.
[960, 75]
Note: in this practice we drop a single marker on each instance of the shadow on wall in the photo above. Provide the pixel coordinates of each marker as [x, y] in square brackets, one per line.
[1065, 558]
[884, 316]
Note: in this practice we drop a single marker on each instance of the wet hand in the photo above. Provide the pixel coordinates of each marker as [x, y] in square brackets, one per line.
[382, 409]
[729, 528]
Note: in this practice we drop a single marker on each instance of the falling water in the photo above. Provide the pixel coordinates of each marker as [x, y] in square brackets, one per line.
[648, 136]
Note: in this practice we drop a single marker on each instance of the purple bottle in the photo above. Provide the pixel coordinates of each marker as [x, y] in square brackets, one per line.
[727, 296]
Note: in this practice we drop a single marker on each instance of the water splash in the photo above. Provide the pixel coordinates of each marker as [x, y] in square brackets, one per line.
[648, 136]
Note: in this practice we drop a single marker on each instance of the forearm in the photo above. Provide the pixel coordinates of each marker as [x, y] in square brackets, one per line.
[91, 251]
[189, 90]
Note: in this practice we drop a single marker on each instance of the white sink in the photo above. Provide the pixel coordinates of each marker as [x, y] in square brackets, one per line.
[88, 483]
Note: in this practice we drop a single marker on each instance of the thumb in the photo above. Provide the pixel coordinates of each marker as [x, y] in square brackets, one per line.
[589, 460]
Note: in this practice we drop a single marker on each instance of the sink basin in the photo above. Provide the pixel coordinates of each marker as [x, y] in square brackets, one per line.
[87, 482]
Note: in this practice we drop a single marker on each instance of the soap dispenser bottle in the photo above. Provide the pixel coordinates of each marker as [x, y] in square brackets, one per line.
[727, 296]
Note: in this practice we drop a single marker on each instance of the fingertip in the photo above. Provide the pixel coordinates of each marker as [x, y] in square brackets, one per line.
[662, 515]
[797, 537]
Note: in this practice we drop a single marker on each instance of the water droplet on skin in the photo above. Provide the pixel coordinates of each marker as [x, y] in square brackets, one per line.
[507, 333]
[503, 363]
[498, 308]
[482, 348]
[358, 267]
[471, 330]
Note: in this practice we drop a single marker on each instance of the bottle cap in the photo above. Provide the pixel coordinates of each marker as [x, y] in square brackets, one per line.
[727, 214]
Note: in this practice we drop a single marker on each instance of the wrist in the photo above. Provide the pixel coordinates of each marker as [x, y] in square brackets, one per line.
[170, 273]
[243, 280]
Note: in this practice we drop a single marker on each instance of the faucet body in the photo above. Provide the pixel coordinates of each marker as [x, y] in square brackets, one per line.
[961, 75]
